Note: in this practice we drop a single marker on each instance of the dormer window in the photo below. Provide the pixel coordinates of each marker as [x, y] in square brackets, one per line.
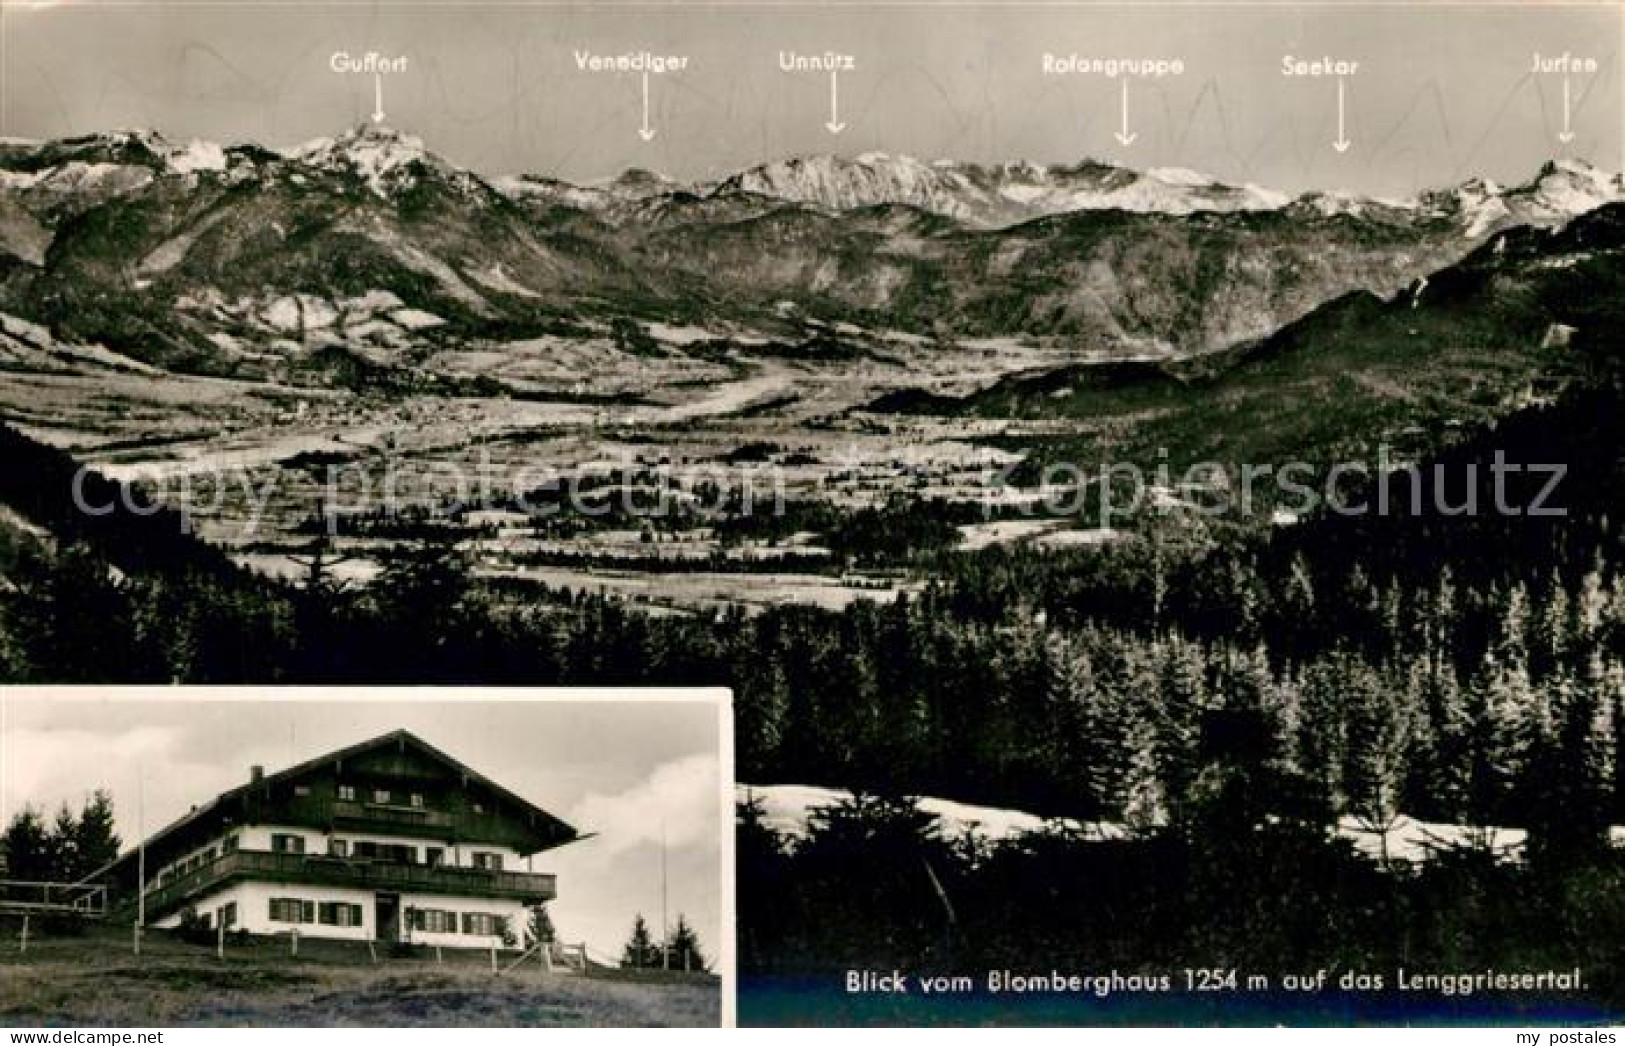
[347, 793]
[479, 807]
[301, 790]
[381, 796]
[417, 800]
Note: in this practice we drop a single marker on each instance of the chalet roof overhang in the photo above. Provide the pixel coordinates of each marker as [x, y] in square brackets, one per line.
[550, 832]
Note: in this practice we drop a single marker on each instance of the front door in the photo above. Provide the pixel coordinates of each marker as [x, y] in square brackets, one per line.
[387, 920]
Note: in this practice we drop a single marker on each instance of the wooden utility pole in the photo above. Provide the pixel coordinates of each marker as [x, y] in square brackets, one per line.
[140, 853]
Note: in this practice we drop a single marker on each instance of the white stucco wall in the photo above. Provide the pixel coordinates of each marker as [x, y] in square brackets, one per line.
[254, 914]
[254, 909]
[512, 911]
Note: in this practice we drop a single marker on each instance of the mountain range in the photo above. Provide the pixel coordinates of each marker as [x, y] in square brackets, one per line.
[253, 261]
[1507, 329]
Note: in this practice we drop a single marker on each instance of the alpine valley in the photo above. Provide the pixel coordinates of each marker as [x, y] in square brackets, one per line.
[825, 431]
[883, 329]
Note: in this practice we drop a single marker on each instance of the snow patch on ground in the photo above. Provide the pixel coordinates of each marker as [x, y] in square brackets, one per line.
[1414, 842]
[496, 278]
[20, 179]
[676, 335]
[284, 315]
[1179, 176]
[786, 809]
[1484, 215]
[416, 319]
[78, 176]
[372, 301]
[198, 156]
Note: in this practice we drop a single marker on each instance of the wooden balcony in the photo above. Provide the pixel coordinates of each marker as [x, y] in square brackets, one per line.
[318, 870]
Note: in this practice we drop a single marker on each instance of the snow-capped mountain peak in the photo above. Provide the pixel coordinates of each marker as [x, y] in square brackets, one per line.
[382, 157]
[1180, 176]
[993, 196]
[1573, 186]
[839, 184]
[146, 138]
[1562, 189]
[196, 156]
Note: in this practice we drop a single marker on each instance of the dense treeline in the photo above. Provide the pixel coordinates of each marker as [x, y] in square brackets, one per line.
[875, 883]
[1381, 666]
[1069, 684]
[64, 850]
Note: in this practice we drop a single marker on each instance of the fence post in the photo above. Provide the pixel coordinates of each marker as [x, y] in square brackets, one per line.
[293, 942]
[24, 938]
[493, 957]
[372, 950]
[219, 936]
[135, 936]
[439, 956]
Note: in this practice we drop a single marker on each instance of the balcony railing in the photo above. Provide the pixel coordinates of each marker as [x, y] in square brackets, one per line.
[317, 870]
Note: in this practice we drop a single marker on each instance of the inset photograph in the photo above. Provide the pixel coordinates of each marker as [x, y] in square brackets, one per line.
[367, 857]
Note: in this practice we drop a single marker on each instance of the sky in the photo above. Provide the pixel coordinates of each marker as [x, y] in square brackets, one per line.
[1444, 91]
[625, 770]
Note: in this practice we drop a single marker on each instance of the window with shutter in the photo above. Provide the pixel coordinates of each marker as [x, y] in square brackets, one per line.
[433, 920]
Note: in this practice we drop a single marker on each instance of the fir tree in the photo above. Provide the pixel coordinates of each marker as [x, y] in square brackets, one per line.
[27, 847]
[539, 926]
[641, 952]
[684, 947]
